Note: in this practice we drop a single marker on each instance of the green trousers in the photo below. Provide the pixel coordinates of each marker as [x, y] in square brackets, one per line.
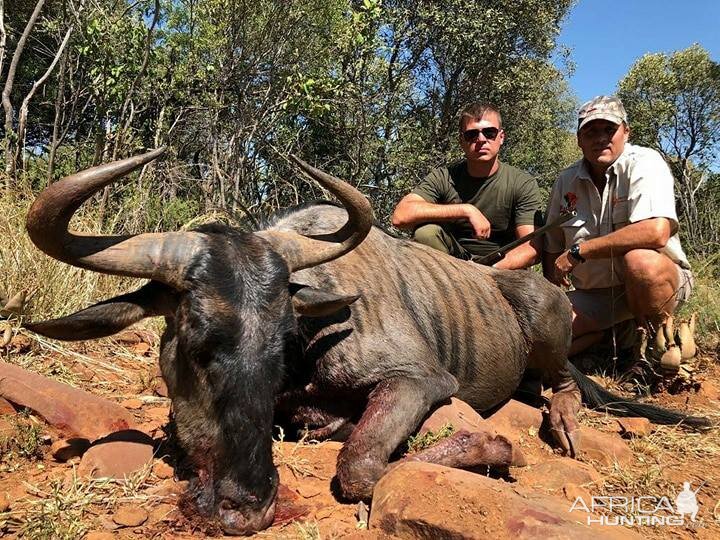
[436, 237]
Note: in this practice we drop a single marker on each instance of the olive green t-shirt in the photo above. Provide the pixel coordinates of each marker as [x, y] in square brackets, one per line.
[508, 198]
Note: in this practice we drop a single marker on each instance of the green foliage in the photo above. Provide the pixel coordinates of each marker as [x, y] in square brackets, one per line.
[673, 104]
[705, 302]
[368, 89]
[416, 443]
[673, 101]
[24, 441]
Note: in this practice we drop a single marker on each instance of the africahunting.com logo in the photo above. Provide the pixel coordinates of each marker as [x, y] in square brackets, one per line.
[612, 510]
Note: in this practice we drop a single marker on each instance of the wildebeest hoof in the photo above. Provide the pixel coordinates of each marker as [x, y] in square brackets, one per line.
[563, 420]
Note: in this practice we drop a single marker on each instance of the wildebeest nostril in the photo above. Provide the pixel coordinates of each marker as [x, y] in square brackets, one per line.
[236, 522]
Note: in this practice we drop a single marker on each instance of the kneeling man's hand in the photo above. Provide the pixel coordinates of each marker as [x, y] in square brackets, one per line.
[479, 223]
[564, 264]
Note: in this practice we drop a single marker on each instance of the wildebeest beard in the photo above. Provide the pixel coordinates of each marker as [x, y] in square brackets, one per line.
[223, 363]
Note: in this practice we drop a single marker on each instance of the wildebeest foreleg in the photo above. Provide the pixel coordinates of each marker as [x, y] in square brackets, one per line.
[395, 409]
[464, 450]
[564, 406]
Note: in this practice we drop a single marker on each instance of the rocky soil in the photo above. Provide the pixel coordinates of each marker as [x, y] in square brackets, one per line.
[85, 453]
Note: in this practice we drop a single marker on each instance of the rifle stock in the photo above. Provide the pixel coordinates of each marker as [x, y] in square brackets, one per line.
[499, 254]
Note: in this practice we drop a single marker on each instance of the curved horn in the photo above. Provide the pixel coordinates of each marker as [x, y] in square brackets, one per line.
[305, 251]
[159, 256]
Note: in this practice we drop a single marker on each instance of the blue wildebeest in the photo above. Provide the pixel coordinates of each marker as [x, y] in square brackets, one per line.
[324, 320]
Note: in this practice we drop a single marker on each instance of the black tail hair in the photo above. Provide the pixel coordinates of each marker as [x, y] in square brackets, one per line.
[597, 397]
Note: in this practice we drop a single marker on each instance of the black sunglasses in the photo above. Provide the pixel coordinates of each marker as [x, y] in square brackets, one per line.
[472, 134]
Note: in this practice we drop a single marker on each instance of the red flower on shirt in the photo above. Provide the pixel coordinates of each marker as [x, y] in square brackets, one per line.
[570, 202]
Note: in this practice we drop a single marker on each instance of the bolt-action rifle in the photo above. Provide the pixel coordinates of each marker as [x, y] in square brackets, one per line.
[499, 254]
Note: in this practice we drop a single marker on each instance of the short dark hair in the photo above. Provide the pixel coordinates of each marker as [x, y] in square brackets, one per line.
[476, 111]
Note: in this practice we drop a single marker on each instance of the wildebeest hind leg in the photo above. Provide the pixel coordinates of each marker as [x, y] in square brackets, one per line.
[395, 409]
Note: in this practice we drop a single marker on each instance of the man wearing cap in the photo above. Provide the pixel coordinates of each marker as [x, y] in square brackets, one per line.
[472, 207]
[622, 251]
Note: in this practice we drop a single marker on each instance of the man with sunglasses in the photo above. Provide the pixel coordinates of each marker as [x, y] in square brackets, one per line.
[622, 251]
[472, 207]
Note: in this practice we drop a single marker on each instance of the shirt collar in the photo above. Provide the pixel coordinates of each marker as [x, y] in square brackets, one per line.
[584, 171]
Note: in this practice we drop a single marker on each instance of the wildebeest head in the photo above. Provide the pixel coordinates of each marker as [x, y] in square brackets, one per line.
[230, 312]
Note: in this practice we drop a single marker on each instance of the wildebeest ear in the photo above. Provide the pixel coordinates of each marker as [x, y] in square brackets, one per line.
[110, 316]
[313, 302]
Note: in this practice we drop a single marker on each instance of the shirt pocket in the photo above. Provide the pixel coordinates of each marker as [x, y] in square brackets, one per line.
[620, 215]
[575, 230]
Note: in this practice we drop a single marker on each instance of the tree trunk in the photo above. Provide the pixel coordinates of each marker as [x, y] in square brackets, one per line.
[10, 137]
[22, 122]
[3, 34]
[141, 73]
[55, 142]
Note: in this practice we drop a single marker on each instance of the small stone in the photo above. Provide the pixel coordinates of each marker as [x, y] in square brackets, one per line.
[515, 415]
[634, 427]
[141, 348]
[159, 387]
[162, 470]
[157, 413]
[709, 390]
[7, 428]
[130, 337]
[163, 512]
[65, 449]
[84, 374]
[573, 491]
[6, 407]
[4, 502]
[98, 535]
[115, 459]
[132, 404]
[130, 515]
[456, 413]
[606, 448]
[168, 488]
[555, 473]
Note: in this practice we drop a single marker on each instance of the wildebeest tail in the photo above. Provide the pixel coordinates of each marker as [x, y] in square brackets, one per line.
[597, 397]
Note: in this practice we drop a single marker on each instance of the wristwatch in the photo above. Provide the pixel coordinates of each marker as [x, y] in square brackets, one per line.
[574, 252]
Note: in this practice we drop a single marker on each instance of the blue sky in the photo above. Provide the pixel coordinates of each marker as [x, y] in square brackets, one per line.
[607, 37]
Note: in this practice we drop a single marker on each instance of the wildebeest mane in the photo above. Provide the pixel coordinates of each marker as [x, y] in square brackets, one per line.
[273, 219]
[269, 221]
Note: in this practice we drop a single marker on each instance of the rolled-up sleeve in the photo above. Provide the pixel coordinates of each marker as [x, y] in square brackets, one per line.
[651, 189]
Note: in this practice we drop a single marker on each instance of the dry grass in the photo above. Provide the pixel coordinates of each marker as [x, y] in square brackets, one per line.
[291, 458]
[65, 508]
[54, 287]
[308, 530]
[662, 455]
[705, 301]
[25, 441]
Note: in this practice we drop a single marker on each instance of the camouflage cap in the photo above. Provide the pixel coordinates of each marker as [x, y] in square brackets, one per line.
[602, 108]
